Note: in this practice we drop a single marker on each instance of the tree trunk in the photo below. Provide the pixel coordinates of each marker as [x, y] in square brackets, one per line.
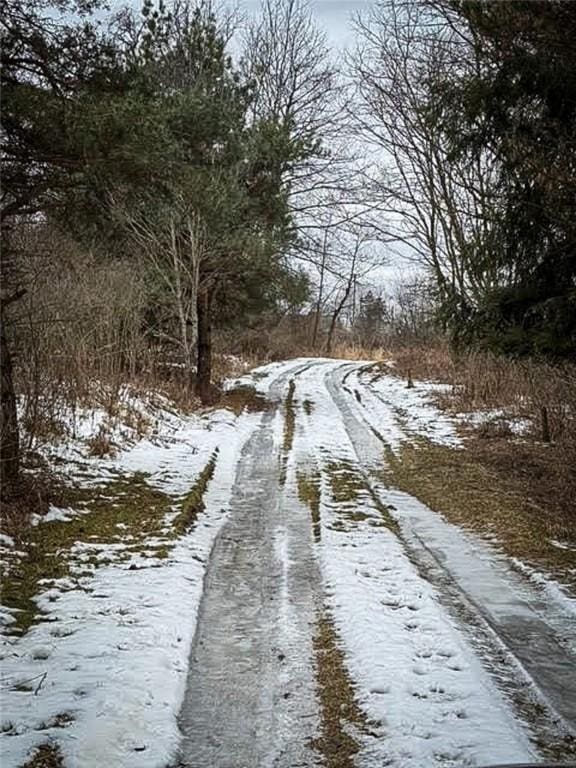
[196, 247]
[344, 299]
[320, 295]
[9, 432]
[204, 366]
[335, 317]
[180, 301]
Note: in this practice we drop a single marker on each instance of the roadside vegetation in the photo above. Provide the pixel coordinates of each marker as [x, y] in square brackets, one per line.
[124, 520]
[342, 720]
[310, 494]
[46, 756]
[513, 480]
[483, 489]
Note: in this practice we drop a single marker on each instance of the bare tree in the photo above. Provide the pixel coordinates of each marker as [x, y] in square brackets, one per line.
[297, 82]
[320, 296]
[173, 246]
[438, 206]
[345, 294]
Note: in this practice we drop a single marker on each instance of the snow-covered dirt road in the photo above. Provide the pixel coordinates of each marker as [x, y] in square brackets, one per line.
[454, 659]
[313, 615]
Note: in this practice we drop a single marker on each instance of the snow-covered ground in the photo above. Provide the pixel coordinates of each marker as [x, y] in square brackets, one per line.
[418, 678]
[104, 674]
[398, 412]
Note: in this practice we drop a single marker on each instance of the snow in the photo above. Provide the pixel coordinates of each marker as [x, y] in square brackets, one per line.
[104, 673]
[420, 684]
[6, 541]
[418, 677]
[259, 378]
[263, 377]
[399, 412]
[554, 592]
[114, 651]
[497, 417]
[562, 545]
[55, 514]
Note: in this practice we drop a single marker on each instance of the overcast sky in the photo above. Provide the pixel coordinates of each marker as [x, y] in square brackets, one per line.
[333, 16]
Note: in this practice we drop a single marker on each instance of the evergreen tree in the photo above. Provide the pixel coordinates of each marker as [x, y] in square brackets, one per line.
[520, 105]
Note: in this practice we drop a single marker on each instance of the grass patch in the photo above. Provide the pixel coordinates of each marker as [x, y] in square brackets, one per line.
[340, 712]
[244, 398]
[289, 417]
[127, 508]
[349, 489]
[491, 490]
[193, 504]
[346, 482]
[126, 511]
[308, 406]
[309, 493]
[289, 430]
[45, 756]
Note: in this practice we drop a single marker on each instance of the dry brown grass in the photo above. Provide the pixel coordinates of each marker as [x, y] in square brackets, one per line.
[309, 493]
[481, 380]
[274, 340]
[225, 366]
[354, 351]
[45, 756]
[339, 710]
[519, 488]
[32, 495]
[498, 491]
[425, 362]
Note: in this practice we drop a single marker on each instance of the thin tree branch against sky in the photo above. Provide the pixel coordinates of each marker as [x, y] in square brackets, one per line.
[334, 17]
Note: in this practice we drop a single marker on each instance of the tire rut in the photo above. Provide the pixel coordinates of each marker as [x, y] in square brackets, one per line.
[511, 621]
[250, 698]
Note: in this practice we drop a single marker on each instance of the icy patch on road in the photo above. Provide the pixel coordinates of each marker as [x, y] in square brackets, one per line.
[551, 588]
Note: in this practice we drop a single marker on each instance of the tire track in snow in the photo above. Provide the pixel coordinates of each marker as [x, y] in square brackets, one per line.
[419, 677]
[418, 680]
[484, 588]
[250, 698]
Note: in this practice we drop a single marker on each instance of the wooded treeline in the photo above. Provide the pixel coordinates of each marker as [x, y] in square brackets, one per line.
[156, 187]
[137, 151]
[472, 105]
